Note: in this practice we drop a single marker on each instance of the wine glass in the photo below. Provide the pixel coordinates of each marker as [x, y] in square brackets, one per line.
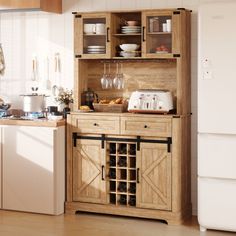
[116, 78]
[104, 81]
[108, 77]
[121, 78]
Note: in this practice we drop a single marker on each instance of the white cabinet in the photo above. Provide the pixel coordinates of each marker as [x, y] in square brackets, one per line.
[33, 169]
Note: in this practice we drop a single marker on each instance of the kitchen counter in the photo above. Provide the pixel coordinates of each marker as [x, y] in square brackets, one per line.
[36, 122]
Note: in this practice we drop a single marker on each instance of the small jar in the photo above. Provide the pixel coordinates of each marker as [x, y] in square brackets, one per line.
[156, 24]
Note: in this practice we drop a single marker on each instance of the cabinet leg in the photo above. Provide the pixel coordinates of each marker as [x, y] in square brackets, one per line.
[202, 229]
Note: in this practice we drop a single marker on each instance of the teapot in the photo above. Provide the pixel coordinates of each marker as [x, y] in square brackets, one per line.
[88, 97]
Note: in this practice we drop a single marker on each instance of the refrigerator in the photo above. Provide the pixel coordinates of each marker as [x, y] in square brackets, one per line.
[217, 116]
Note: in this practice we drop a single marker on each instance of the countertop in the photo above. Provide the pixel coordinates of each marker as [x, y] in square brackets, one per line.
[127, 114]
[36, 122]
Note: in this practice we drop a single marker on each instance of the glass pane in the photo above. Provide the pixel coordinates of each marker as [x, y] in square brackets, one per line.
[94, 36]
[159, 36]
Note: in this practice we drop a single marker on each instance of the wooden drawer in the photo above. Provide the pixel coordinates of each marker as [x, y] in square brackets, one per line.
[96, 124]
[141, 126]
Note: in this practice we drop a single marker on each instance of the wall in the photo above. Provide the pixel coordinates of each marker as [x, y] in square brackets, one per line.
[25, 36]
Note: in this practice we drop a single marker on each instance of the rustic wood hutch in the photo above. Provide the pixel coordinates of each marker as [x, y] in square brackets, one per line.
[124, 163]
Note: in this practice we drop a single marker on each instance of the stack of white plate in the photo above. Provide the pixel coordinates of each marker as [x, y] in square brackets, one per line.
[94, 49]
[130, 29]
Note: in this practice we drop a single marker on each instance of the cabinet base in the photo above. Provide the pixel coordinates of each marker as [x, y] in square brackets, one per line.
[171, 218]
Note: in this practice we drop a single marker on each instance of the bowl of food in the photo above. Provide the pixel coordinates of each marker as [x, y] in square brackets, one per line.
[129, 47]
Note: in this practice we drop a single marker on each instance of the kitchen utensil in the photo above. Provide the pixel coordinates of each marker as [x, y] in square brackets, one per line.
[88, 97]
[2, 61]
[132, 22]
[129, 47]
[34, 75]
[100, 28]
[116, 79]
[47, 81]
[33, 102]
[89, 28]
[151, 101]
[109, 77]
[104, 81]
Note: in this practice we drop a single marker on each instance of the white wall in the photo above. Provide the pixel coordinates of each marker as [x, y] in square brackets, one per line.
[25, 35]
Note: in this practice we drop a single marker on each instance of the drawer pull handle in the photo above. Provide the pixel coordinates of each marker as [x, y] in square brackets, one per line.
[137, 175]
[103, 172]
[145, 126]
[95, 124]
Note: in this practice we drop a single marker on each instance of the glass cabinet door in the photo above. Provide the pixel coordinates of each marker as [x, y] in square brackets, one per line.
[93, 35]
[159, 31]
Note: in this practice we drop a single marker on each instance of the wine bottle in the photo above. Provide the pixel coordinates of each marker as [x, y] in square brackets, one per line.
[112, 161]
[112, 174]
[132, 188]
[122, 162]
[132, 200]
[122, 187]
[122, 200]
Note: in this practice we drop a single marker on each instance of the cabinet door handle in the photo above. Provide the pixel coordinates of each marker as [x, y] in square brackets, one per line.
[143, 34]
[103, 172]
[95, 124]
[145, 126]
[137, 175]
[108, 30]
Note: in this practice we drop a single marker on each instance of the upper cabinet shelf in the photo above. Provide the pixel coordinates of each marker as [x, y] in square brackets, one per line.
[158, 34]
[54, 6]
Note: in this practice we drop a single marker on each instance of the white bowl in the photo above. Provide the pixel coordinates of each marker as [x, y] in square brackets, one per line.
[129, 47]
[129, 54]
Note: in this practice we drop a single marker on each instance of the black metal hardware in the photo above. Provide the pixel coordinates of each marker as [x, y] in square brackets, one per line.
[77, 56]
[176, 55]
[108, 29]
[138, 140]
[137, 176]
[103, 141]
[176, 12]
[78, 16]
[181, 8]
[138, 143]
[74, 12]
[74, 137]
[169, 144]
[143, 34]
[103, 172]
[145, 126]
[95, 124]
[176, 116]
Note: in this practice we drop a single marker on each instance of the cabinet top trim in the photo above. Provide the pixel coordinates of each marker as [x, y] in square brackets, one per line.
[168, 10]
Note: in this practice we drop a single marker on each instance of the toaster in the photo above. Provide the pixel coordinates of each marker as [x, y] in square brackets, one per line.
[151, 101]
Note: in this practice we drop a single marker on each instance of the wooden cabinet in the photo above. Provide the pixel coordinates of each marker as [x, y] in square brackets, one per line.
[163, 32]
[93, 37]
[89, 172]
[154, 171]
[142, 176]
[123, 163]
[159, 33]
[33, 169]
[44, 5]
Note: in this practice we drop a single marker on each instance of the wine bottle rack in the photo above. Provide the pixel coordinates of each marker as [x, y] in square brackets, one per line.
[122, 173]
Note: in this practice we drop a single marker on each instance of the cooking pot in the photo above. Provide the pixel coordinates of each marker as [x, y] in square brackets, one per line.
[33, 102]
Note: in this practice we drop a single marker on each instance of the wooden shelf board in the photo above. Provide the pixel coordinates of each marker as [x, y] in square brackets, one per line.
[159, 33]
[139, 34]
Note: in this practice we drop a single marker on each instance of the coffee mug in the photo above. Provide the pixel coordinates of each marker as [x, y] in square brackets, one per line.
[100, 28]
[89, 28]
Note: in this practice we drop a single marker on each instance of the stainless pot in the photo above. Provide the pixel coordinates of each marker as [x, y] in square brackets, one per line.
[33, 103]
